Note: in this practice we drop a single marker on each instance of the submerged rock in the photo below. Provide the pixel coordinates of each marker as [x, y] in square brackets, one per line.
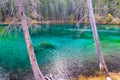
[3, 75]
[43, 46]
[38, 49]
[47, 45]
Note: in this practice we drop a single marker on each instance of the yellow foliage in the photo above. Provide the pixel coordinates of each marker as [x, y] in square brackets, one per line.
[102, 21]
[34, 21]
[109, 18]
[71, 17]
[7, 21]
[92, 78]
[114, 76]
[115, 21]
[86, 20]
[97, 16]
[32, 15]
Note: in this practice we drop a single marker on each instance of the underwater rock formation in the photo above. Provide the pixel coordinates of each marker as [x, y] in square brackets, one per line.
[44, 45]
[47, 45]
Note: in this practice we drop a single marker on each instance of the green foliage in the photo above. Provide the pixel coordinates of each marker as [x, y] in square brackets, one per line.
[109, 18]
[60, 9]
[1, 29]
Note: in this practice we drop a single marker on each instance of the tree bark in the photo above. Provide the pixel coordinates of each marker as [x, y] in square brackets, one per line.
[36, 71]
[102, 64]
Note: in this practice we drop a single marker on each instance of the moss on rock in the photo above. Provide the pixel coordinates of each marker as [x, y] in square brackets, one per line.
[47, 45]
[44, 45]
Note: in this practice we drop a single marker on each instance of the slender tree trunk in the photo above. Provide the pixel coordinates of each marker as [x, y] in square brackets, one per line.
[36, 71]
[102, 64]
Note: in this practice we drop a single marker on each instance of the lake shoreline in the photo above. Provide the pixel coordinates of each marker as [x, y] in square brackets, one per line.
[62, 22]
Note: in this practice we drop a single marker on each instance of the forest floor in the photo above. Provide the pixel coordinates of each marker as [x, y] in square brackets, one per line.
[114, 76]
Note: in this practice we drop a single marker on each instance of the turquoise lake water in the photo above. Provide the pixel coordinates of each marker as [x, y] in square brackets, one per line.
[74, 46]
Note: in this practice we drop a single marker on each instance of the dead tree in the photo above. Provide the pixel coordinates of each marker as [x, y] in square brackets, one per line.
[102, 64]
[36, 71]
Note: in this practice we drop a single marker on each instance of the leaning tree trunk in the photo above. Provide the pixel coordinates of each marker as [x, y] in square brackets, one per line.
[36, 71]
[102, 64]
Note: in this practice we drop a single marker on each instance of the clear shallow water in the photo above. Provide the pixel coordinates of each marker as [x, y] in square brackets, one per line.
[73, 47]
